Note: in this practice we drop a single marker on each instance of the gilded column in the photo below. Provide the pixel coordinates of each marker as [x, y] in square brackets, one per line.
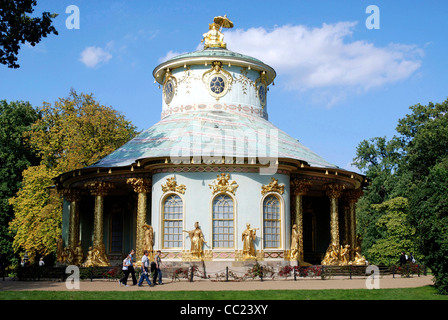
[299, 188]
[72, 254]
[334, 191]
[352, 197]
[141, 186]
[73, 196]
[99, 189]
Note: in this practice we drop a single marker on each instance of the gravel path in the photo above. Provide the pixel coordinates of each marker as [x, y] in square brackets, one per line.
[199, 285]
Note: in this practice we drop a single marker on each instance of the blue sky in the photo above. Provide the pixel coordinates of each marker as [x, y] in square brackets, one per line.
[337, 83]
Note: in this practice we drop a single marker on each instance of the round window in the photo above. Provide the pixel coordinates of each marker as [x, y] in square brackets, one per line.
[168, 91]
[218, 85]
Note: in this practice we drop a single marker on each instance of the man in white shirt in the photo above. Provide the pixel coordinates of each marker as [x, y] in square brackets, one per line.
[145, 266]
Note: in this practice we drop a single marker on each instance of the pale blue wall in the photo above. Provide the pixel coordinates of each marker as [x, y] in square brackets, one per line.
[197, 203]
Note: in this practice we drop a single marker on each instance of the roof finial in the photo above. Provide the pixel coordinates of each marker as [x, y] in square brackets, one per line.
[214, 38]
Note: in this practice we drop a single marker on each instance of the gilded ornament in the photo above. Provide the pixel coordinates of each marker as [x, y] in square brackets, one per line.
[273, 186]
[300, 186]
[148, 239]
[334, 190]
[222, 184]
[331, 255]
[248, 237]
[99, 188]
[171, 185]
[214, 37]
[217, 80]
[197, 241]
[140, 185]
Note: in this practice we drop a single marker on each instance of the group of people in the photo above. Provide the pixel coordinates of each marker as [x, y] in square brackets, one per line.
[147, 267]
[406, 258]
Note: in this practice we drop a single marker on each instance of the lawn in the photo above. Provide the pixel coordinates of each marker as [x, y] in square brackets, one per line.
[420, 293]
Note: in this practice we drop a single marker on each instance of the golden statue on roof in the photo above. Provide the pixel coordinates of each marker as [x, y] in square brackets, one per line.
[214, 37]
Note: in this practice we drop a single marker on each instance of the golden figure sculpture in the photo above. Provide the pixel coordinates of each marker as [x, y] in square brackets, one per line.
[89, 259]
[171, 185]
[148, 239]
[197, 241]
[96, 256]
[99, 255]
[214, 38]
[69, 256]
[294, 255]
[248, 237]
[345, 255]
[273, 186]
[78, 254]
[222, 184]
[358, 260]
[331, 256]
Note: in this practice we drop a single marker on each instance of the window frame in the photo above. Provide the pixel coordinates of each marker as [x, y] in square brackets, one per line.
[162, 219]
[212, 220]
[280, 220]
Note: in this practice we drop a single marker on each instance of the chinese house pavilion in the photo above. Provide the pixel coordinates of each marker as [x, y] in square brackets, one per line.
[213, 180]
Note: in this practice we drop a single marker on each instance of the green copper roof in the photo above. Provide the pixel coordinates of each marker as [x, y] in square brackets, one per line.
[215, 52]
[197, 132]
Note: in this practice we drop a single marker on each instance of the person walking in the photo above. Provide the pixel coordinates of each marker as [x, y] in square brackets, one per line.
[124, 279]
[402, 259]
[131, 266]
[158, 271]
[145, 266]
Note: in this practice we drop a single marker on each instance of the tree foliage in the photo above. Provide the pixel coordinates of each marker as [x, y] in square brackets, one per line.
[396, 233]
[412, 165]
[15, 118]
[17, 27]
[72, 133]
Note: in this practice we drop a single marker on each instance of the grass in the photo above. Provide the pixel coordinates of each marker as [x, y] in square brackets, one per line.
[420, 293]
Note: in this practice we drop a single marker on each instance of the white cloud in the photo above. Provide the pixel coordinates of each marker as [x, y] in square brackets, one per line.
[94, 56]
[325, 58]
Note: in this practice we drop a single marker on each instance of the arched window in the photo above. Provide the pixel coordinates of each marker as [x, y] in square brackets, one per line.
[172, 215]
[271, 222]
[223, 221]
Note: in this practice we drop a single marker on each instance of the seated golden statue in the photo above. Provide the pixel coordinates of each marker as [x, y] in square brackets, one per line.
[359, 260]
[89, 259]
[331, 256]
[214, 38]
[345, 254]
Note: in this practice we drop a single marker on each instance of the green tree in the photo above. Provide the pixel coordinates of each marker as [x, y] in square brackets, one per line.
[418, 159]
[378, 159]
[396, 232]
[72, 133]
[17, 27]
[15, 118]
[429, 214]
